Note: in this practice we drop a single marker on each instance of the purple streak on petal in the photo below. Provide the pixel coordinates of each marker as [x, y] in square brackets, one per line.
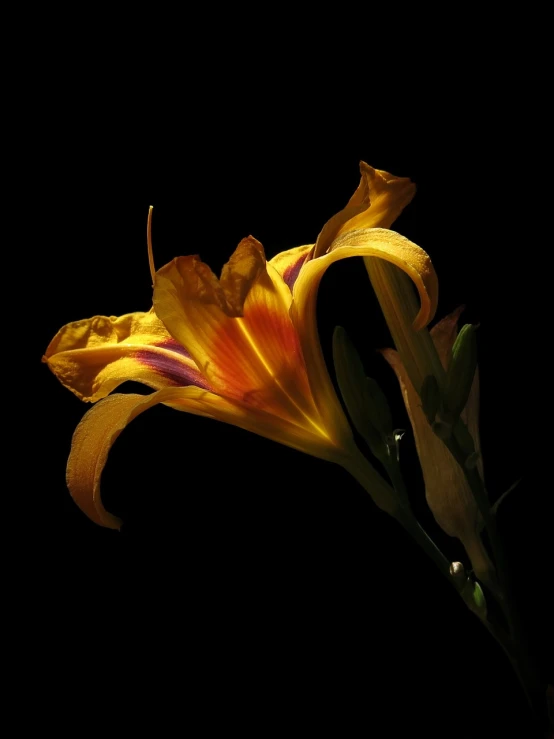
[174, 346]
[173, 370]
[292, 272]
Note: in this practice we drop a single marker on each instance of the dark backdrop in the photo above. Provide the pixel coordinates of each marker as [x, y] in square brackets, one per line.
[250, 581]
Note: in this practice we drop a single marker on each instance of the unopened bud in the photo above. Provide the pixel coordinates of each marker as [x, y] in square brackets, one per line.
[461, 370]
[475, 599]
[469, 589]
[458, 574]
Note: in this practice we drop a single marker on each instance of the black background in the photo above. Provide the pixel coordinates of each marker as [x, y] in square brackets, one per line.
[252, 585]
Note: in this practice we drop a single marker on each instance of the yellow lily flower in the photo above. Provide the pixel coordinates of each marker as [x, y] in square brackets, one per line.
[242, 349]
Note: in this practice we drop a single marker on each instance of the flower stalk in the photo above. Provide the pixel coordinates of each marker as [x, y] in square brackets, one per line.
[422, 363]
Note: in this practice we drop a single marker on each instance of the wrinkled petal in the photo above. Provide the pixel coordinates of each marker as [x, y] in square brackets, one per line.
[92, 357]
[379, 243]
[243, 339]
[289, 263]
[377, 203]
[102, 424]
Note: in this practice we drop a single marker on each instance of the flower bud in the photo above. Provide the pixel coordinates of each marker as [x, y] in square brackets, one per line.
[461, 371]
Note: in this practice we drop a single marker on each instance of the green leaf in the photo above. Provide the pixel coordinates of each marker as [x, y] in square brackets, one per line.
[365, 402]
[474, 598]
[377, 407]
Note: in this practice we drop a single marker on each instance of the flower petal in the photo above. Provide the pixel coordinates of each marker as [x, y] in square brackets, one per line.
[289, 263]
[239, 331]
[268, 425]
[102, 424]
[400, 251]
[376, 242]
[92, 357]
[377, 203]
[91, 443]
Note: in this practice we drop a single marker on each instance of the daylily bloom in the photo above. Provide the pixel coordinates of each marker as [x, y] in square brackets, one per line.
[242, 349]
[446, 489]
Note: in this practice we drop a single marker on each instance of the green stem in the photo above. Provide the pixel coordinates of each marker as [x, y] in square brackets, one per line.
[478, 490]
[365, 474]
[397, 480]
[517, 651]
[399, 304]
[528, 680]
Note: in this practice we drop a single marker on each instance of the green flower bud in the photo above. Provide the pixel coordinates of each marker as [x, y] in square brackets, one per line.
[471, 591]
[461, 371]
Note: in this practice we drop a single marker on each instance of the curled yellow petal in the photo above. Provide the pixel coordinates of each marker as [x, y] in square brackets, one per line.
[380, 243]
[289, 263]
[93, 356]
[377, 203]
[103, 423]
[404, 254]
[91, 443]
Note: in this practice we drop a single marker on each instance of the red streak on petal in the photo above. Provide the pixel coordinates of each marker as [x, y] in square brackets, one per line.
[261, 381]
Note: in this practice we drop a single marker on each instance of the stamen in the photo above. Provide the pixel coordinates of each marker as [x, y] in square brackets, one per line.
[149, 242]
